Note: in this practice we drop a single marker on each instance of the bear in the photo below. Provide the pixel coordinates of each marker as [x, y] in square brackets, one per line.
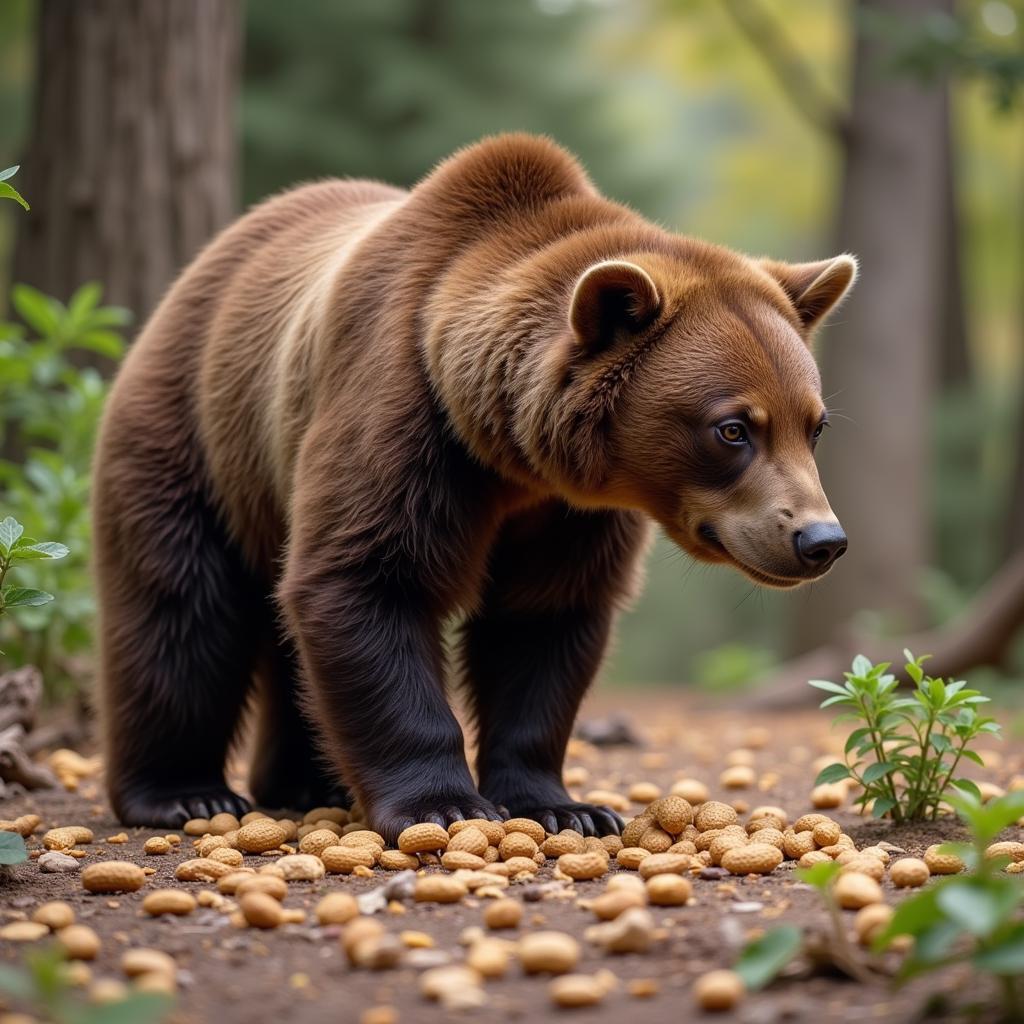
[364, 417]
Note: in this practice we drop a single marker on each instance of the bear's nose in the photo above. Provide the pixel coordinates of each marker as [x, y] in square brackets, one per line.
[820, 544]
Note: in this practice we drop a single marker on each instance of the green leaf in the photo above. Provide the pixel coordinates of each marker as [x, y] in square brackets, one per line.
[861, 666]
[967, 786]
[39, 311]
[101, 341]
[762, 959]
[23, 597]
[979, 906]
[913, 916]
[34, 552]
[824, 684]
[9, 172]
[819, 875]
[882, 806]
[10, 192]
[833, 773]
[879, 770]
[12, 848]
[855, 737]
[144, 1008]
[17, 983]
[1006, 956]
[10, 531]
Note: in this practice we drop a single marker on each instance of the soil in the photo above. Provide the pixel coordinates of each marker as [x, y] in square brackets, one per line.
[298, 972]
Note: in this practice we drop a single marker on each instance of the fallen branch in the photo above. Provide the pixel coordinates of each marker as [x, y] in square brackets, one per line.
[980, 636]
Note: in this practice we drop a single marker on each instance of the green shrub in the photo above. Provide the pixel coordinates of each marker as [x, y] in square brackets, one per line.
[51, 408]
[907, 748]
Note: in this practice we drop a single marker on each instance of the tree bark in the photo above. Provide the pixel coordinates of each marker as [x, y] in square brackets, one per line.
[880, 359]
[132, 160]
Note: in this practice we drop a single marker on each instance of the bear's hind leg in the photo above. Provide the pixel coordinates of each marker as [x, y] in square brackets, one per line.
[176, 635]
[288, 769]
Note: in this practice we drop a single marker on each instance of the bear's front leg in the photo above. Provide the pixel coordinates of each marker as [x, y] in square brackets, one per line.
[533, 648]
[373, 673]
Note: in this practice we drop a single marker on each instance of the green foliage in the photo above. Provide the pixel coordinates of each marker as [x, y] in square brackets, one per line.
[14, 548]
[974, 918]
[51, 408]
[763, 959]
[731, 666]
[8, 191]
[43, 986]
[906, 750]
[12, 849]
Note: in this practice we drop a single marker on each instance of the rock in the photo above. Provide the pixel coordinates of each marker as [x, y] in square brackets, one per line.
[53, 861]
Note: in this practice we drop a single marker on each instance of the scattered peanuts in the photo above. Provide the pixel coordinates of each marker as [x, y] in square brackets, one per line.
[55, 915]
[854, 890]
[423, 838]
[168, 901]
[752, 859]
[942, 863]
[573, 990]
[583, 866]
[79, 942]
[504, 913]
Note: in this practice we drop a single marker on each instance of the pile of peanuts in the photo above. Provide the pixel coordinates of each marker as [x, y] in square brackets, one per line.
[676, 838]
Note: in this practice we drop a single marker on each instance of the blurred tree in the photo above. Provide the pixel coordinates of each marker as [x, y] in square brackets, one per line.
[880, 362]
[132, 153]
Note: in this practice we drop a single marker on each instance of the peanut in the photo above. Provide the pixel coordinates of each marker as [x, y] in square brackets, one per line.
[691, 790]
[142, 960]
[260, 910]
[314, 843]
[608, 798]
[79, 941]
[503, 913]
[489, 957]
[635, 829]
[55, 915]
[665, 864]
[631, 857]
[517, 844]
[23, 931]
[494, 831]
[631, 932]
[909, 872]
[865, 864]
[201, 869]
[168, 901]
[196, 827]
[583, 866]
[796, 844]
[156, 845]
[855, 890]
[469, 840]
[738, 776]
[655, 840]
[942, 863]
[755, 859]
[668, 890]
[826, 833]
[548, 953]
[870, 921]
[643, 793]
[395, 860]
[343, 860]
[613, 902]
[362, 837]
[572, 990]
[566, 841]
[439, 889]
[673, 813]
[67, 838]
[269, 885]
[455, 860]
[423, 838]
[113, 876]
[526, 826]
[229, 883]
[714, 814]
[225, 855]
[718, 990]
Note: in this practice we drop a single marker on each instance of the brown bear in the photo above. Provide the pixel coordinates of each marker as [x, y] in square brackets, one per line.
[362, 412]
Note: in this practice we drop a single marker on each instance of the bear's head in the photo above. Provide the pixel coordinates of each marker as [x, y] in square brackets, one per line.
[685, 387]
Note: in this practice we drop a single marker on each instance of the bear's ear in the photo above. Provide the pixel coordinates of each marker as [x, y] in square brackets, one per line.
[612, 296]
[814, 288]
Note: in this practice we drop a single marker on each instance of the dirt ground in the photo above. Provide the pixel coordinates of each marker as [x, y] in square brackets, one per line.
[297, 972]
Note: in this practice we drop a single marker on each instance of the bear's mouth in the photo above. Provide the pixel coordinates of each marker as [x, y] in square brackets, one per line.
[709, 535]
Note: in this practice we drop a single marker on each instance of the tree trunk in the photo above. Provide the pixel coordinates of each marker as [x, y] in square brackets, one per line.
[132, 161]
[880, 359]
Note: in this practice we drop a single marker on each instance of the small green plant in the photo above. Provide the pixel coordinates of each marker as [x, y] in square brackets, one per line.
[8, 191]
[42, 985]
[12, 851]
[973, 918]
[51, 409]
[15, 547]
[907, 748]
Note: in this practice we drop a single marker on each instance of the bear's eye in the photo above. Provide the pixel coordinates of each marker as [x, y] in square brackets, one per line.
[819, 430]
[732, 432]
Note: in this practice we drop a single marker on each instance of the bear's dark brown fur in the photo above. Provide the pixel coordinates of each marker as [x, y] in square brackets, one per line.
[362, 411]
